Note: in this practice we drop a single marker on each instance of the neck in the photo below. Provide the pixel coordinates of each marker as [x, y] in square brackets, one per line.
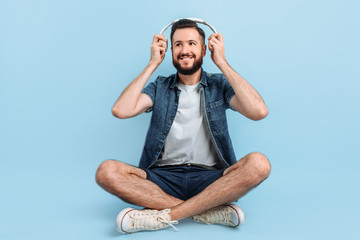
[190, 79]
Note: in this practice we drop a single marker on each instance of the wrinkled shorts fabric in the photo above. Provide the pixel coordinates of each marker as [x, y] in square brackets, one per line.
[183, 182]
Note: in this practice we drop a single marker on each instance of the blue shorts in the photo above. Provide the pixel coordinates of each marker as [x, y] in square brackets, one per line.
[183, 182]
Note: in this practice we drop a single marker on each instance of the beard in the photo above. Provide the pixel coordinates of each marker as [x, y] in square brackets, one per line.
[189, 70]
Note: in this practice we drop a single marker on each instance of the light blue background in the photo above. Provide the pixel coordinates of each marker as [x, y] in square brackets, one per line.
[64, 63]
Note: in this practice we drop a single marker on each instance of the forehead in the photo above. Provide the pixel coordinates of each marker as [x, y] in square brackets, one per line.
[186, 34]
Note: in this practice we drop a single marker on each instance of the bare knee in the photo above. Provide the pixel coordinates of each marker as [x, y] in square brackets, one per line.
[113, 170]
[260, 164]
[106, 171]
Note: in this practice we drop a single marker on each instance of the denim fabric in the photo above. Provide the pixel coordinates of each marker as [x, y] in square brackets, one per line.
[215, 92]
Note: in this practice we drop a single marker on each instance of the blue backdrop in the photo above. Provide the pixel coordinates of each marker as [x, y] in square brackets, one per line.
[64, 63]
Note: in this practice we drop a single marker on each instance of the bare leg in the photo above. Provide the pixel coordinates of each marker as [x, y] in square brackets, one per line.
[130, 184]
[236, 181]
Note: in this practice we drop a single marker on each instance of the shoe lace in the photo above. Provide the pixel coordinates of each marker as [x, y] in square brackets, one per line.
[153, 223]
[216, 216]
[170, 223]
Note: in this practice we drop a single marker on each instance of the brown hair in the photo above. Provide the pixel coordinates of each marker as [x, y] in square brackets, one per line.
[186, 23]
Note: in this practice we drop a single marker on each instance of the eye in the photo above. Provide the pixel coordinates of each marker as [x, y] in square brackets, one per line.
[178, 44]
[192, 43]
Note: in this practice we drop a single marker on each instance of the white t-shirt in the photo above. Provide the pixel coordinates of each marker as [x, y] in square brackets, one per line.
[188, 140]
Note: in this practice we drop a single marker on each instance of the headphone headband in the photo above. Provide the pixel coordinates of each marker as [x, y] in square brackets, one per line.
[197, 20]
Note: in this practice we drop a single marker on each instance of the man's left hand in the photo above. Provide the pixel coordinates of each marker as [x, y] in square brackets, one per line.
[216, 47]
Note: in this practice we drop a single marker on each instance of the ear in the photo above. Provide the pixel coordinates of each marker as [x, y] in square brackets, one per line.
[204, 50]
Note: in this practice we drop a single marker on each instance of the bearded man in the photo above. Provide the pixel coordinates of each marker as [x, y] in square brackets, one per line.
[188, 166]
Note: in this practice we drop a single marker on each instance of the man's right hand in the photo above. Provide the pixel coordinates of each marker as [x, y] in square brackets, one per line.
[158, 48]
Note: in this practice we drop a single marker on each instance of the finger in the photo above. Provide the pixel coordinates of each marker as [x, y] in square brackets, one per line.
[220, 37]
[162, 43]
[157, 47]
[214, 42]
[158, 37]
[162, 52]
[217, 36]
[162, 49]
[211, 47]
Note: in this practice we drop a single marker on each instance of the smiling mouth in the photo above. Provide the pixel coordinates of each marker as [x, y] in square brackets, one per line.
[184, 58]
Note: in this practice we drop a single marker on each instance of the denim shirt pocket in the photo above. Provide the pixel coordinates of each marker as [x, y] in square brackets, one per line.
[217, 116]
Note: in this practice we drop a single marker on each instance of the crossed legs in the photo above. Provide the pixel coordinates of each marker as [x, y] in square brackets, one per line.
[130, 184]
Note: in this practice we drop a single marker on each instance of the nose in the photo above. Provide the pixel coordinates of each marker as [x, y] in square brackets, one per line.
[184, 49]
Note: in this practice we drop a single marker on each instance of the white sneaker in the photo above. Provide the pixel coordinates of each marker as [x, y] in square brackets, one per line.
[229, 215]
[131, 220]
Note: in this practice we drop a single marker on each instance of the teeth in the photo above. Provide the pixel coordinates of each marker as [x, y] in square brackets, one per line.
[186, 58]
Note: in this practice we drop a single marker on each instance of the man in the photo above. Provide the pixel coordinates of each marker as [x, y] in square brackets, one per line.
[188, 166]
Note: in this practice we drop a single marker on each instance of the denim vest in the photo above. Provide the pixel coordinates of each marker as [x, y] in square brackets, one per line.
[215, 93]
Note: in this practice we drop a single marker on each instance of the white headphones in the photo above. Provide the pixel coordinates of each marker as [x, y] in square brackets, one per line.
[197, 20]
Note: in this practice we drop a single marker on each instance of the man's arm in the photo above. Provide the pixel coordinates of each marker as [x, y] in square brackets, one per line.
[246, 100]
[131, 101]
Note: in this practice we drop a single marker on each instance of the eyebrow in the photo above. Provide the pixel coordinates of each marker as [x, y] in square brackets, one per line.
[185, 41]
